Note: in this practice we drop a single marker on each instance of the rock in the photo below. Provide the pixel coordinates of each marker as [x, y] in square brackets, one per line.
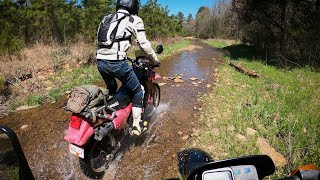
[195, 133]
[208, 86]
[193, 79]
[178, 81]
[165, 78]
[68, 92]
[195, 108]
[47, 83]
[49, 88]
[180, 133]
[162, 84]
[199, 109]
[24, 129]
[194, 83]
[21, 108]
[231, 128]
[185, 137]
[241, 137]
[251, 132]
[178, 77]
[199, 82]
[266, 148]
[178, 85]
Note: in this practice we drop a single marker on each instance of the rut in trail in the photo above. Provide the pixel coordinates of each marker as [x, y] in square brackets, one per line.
[153, 157]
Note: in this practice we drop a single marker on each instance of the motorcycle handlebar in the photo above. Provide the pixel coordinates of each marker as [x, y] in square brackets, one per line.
[146, 62]
[290, 178]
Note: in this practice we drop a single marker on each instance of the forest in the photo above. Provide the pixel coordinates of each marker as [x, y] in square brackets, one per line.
[286, 31]
[26, 22]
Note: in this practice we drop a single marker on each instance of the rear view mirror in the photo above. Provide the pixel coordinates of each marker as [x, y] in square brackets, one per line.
[159, 49]
[190, 159]
[12, 160]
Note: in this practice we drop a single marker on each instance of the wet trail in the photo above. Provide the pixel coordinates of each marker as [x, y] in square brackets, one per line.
[153, 157]
[156, 157]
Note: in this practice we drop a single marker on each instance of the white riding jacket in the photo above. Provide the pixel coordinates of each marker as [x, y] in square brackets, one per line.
[128, 27]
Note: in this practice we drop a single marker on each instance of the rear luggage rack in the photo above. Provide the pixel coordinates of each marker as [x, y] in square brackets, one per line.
[100, 113]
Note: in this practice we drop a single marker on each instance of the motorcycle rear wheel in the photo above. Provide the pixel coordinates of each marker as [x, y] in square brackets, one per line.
[97, 157]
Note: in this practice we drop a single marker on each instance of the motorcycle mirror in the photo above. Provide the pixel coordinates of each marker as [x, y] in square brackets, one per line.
[159, 49]
[190, 159]
[12, 156]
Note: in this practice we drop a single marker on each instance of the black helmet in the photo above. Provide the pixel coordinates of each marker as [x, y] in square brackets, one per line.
[131, 5]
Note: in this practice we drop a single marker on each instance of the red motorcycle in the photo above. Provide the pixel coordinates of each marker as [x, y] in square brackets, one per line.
[95, 136]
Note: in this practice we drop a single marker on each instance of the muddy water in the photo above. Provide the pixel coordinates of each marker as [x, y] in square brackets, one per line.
[151, 157]
[156, 157]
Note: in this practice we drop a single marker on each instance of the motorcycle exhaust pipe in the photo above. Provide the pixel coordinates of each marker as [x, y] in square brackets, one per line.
[102, 131]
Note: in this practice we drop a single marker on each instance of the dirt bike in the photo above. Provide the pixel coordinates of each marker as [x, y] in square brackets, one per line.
[196, 164]
[95, 137]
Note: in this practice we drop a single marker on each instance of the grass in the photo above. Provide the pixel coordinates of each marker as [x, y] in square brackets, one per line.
[65, 80]
[217, 43]
[283, 106]
[174, 48]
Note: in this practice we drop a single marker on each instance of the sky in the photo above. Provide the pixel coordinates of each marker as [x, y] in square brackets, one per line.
[185, 6]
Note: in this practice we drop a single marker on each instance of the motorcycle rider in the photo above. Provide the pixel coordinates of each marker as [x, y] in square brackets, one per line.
[112, 59]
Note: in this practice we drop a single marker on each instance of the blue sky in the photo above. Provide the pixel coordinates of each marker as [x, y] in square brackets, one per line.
[185, 6]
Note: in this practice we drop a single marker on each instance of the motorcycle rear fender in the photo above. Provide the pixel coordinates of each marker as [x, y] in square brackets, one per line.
[81, 136]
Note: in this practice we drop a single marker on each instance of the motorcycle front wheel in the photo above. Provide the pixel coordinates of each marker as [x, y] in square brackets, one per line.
[151, 106]
[98, 156]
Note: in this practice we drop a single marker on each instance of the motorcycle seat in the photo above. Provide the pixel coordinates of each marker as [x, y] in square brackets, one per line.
[119, 102]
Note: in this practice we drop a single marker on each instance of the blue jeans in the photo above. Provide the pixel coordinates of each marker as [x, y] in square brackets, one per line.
[121, 70]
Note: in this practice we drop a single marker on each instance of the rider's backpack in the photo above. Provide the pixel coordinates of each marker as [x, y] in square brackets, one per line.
[108, 29]
[83, 98]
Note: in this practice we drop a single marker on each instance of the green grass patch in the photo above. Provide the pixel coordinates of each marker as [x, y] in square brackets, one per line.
[174, 48]
[283, 106]
[2, 82]
[216, 43]
[34, 100]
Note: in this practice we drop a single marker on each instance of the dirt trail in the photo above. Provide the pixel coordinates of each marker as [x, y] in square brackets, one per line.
[154, 157]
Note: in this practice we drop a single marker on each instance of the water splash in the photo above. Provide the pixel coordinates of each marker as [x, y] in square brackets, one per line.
[112, 170]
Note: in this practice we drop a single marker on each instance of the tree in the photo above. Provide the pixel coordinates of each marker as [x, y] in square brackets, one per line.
[204, 23]
[289, 28]
[190, 17]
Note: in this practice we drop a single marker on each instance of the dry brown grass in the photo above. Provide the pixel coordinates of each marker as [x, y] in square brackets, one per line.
[44, 58]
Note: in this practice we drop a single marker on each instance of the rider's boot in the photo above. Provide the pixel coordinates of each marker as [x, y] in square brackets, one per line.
[138, 127]
[137, 121]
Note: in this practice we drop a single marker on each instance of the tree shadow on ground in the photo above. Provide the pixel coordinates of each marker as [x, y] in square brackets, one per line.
[242, 51]
[251, 53]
